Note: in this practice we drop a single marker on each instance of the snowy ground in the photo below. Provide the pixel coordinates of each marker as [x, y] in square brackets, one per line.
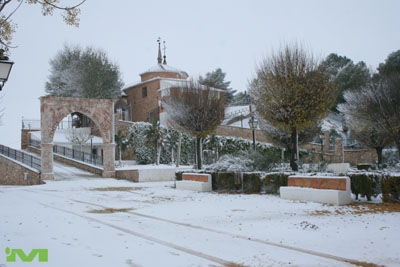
[162, 226]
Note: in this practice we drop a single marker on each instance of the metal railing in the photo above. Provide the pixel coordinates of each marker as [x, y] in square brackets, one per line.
[21, 156]
[78, 155]
[72, 153]
[236, 113]
[35, 124]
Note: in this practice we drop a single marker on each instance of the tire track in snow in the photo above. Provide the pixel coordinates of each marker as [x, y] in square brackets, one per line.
[146, 237]
[247, 238]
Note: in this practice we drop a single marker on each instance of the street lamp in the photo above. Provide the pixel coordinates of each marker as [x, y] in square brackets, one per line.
[5, 68]
[253, 123]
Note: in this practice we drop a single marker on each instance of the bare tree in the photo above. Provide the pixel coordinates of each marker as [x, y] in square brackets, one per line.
[292, 92]
[374, 113]
[79, 136]
[371, 135]
[8, 27]
[197, 109]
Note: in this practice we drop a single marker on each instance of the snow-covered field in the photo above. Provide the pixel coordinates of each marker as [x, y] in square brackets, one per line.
[161, 226]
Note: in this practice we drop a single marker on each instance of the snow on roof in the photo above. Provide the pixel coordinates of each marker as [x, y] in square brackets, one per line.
[163, 68]
[167, 83]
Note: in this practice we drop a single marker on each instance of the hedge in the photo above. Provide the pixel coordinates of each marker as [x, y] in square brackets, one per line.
[391, 189]
[362, 184]
[365, 184]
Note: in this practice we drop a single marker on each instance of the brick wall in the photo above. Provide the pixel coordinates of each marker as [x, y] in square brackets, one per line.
[13, 173]
[151, 75]
[140, 106]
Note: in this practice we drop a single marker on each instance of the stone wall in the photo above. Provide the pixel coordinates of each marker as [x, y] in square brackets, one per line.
[25, 136]
[339, 155]
[130, 175]
[14, 173]
[244, 133]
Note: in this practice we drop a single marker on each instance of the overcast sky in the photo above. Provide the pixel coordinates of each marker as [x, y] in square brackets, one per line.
[200, 36]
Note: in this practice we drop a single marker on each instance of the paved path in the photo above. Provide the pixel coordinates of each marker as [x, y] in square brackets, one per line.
[69, 220]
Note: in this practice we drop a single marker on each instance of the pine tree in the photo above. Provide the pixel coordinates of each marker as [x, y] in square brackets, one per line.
[87, 73]
[216, 79]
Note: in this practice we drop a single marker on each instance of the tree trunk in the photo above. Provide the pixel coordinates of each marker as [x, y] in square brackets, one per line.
[216, 153]
[178, 153]
[120, 155]
[397, 141]
[379, 152]
[293, 151]
[158, 154]
[198, 153]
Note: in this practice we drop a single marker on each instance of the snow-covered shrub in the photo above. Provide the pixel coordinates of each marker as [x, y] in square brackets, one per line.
[213, 148]
[143, 152]
[391, 189]
[391, 157]
[231, 163]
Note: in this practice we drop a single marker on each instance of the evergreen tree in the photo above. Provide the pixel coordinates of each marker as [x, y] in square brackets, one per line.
[241, 98]
[346, 74]
[88, 73]
[216, 79]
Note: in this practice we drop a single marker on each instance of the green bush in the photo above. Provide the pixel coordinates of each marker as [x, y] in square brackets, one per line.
[365, 184]
[251, 182]
[273, 181]
[391, 189]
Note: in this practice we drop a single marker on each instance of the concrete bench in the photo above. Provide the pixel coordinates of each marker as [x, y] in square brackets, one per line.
[195, 182]
[323, 189]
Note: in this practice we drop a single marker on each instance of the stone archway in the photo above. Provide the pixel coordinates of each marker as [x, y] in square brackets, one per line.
[101, 111]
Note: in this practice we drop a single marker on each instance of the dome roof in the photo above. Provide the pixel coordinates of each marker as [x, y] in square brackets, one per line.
[164, 68]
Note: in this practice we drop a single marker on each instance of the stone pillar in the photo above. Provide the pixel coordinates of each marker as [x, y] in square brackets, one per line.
[24, 139]
[326, 142]
[47, 162]
[339, 151]
[109, 160]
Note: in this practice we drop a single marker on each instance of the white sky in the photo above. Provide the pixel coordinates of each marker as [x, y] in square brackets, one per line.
[200, 35]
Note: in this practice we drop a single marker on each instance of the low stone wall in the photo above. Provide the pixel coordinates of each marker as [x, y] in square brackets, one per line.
[79, 165]
[15, 173]
[130, 175]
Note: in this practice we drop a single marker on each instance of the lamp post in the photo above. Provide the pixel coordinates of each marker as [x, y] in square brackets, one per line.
[5, 68]
[253, 123]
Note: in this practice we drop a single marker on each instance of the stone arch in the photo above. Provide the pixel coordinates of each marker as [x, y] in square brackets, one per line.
[101, 111]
